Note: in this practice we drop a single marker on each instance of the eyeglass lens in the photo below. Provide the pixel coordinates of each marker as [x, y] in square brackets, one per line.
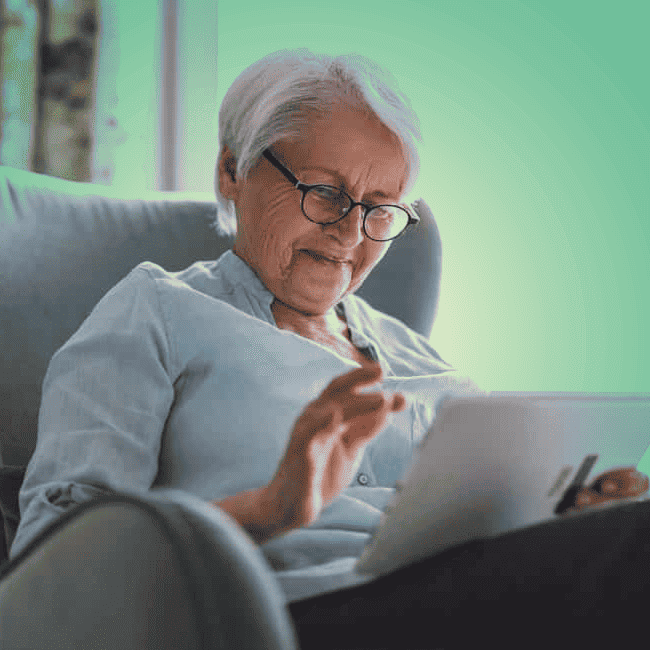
[324, 204]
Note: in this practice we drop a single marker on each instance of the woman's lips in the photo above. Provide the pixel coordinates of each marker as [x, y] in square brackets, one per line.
[324, 257]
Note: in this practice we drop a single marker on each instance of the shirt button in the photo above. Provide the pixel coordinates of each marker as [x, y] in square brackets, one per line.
[363, 479]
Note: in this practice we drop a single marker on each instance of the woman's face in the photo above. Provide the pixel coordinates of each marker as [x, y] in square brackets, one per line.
[347, 150]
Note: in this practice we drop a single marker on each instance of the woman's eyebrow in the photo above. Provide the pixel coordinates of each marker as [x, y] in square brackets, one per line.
[324, 170]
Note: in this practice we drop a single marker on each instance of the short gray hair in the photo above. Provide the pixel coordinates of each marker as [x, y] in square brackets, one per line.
[271, 99]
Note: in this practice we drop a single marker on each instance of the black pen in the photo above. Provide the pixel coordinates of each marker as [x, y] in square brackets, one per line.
[568, 498]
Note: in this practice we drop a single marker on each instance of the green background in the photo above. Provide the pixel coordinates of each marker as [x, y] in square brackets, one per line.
[535, 163]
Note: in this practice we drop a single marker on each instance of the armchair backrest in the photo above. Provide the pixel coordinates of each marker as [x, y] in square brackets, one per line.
[63, 245]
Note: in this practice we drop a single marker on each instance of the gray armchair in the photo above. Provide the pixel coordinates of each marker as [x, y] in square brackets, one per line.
[63, 245]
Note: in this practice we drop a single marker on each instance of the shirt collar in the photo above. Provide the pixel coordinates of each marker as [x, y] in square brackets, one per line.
[243, 278]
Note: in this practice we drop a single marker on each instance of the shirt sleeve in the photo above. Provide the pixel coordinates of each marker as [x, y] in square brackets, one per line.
[105, 399]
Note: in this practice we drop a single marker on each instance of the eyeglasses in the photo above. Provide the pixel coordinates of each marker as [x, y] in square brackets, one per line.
[325, 205]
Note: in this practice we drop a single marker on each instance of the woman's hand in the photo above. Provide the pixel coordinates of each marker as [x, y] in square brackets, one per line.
[326, 447]
[615, 485]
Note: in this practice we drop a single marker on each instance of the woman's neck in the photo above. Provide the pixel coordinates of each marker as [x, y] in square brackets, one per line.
[308, 325]
[328, 329]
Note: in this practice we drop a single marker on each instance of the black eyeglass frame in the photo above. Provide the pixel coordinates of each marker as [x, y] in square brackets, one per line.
[304, 188]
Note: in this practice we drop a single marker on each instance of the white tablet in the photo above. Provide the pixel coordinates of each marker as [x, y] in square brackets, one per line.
[494, 464]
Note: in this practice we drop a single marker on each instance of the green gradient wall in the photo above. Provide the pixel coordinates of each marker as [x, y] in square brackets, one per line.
[535, 163]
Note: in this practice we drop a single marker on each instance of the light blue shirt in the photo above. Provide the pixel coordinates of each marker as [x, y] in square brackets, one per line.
[184, 381]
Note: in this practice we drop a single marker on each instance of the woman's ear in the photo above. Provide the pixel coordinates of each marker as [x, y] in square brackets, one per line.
[227, 174]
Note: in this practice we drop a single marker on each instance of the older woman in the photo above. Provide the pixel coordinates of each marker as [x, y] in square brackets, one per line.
[242, 380]
[259, 382]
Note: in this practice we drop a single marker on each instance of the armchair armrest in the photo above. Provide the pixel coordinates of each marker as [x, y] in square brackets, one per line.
[161, 570]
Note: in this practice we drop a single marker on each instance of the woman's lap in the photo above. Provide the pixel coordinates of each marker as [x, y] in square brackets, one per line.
[581, 580]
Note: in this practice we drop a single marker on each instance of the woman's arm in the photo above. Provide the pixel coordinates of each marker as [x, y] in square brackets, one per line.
[250, 510]
[105, 399]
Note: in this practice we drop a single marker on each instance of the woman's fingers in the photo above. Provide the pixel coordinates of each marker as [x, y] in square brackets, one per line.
[367, 409]
[355, 379]
[345, 388]
[343, 413]
[317, 420]
[361, 405]
[359, 419]
[399, 402]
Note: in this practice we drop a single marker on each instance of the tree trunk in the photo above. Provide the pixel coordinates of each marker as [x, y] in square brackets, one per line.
[67, 89]
[19, 69]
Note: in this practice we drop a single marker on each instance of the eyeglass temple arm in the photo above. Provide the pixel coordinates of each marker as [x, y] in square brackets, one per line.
[280, 167]
[414, 217]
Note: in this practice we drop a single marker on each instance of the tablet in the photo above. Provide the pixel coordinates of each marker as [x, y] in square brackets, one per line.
[493, 464]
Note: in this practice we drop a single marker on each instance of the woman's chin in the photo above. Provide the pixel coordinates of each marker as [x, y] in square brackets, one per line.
[325, 291]
[313, 299]
[315, 305]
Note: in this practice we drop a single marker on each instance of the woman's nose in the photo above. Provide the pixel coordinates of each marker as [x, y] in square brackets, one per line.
[349, 230]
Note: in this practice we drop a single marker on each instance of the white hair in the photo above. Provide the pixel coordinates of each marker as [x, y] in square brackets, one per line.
[272, 99]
